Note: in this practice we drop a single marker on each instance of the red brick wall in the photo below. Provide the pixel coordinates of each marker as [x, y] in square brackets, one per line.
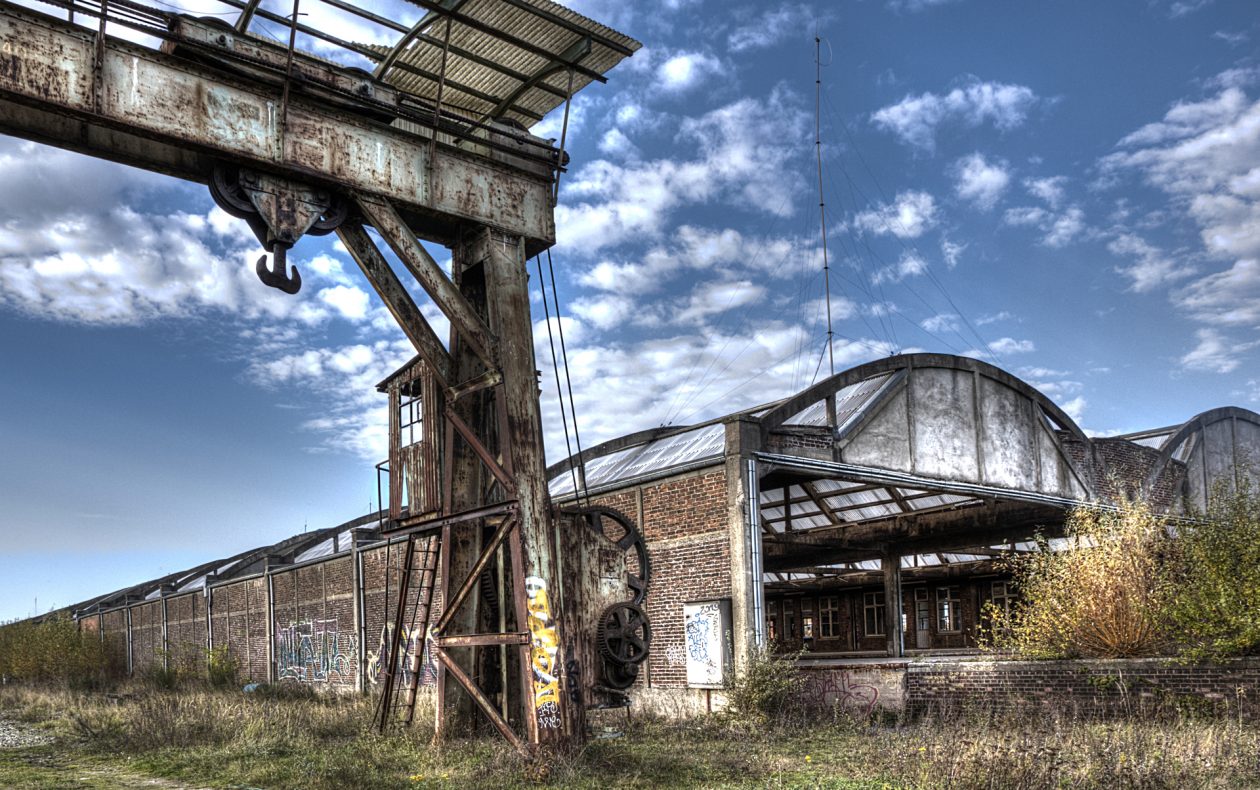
[114, 624]
[1089, 687]
[382, 573]
[239, 619]
[186, 631]
[684, 522]
[146, 637]
[315, 636]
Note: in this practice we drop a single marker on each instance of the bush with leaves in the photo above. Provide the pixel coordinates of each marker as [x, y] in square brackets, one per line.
[1216, 608]
[54, 650]
[767, 691]
[1104, 593]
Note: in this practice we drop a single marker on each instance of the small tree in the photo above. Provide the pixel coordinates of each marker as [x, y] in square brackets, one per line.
[1102, 595]
[1216, 609]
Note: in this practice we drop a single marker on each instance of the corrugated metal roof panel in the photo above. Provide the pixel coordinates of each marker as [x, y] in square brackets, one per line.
[655, 456]
[849, 401]
[475, 88]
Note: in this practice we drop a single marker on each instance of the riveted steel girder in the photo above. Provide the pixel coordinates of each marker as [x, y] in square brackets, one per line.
[160, 112]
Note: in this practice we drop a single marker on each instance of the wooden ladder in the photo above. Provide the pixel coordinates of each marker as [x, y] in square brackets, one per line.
[397, 703]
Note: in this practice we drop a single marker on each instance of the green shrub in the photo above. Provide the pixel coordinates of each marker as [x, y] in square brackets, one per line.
[55, 651]
[1216, 608]
[768, 690]
[1104, 595]
[222, 667]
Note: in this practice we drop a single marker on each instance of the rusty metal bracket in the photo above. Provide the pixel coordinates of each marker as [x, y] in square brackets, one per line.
[487, 553]
[402, 240]
[505, 479]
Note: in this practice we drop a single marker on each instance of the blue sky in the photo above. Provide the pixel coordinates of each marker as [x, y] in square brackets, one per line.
[1070, 190]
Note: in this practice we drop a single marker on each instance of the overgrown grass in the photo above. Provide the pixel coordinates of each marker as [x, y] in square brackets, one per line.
[224, 739]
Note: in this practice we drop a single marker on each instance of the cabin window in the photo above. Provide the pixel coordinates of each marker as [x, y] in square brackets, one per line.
[410, 421]
[807, 627]
[948, 609]
[1002, 596]
[873, 609]
[829, 618]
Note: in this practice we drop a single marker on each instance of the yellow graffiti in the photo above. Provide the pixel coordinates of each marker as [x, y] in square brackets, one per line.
[543, 654]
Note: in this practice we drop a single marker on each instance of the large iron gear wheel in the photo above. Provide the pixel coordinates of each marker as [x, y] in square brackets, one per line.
[626, 536]
[624, 635]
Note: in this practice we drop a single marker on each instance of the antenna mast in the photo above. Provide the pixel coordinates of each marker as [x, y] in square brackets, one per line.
[822, 203]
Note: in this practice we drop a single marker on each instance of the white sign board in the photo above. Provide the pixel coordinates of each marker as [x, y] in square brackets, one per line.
[707, 629]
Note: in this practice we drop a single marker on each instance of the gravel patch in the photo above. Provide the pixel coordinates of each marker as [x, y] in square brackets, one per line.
[14, 735]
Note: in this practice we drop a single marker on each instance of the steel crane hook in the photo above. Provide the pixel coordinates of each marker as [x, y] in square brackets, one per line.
[276, 276]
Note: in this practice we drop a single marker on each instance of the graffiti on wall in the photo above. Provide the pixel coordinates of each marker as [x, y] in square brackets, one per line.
[544, 647]
[836, 690]
[707, 642]
[315, 651]
[414, 641]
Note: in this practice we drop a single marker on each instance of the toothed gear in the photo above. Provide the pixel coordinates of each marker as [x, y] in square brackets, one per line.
[624, 634]
[596, 519]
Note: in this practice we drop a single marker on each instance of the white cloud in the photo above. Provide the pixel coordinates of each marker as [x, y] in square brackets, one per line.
[350, 302]
[916, 5]
[981, 181]
[741, 151]
[952, 252]
[1049, 189]
[1065, 228]
[614, 142]
[944, 322]
[1058, 229]
[1227, 298]
[1215, 353]
[624, 385]
[1009, 345]
[1232, 37]
[717, 297]
[910, 265]
[771, 27]
[1186, 119]
[915, 119]
[1152, 268]
[1075, 408]
[1180, 8]
[994, 318]
[1203, 155]
[910, 215]
[606, 311]
[687, 70]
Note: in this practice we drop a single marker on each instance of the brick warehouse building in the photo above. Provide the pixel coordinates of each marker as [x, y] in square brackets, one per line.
[885, 493]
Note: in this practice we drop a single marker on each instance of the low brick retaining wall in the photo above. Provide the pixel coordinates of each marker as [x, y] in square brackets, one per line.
[1106, 688]
[1121, 687]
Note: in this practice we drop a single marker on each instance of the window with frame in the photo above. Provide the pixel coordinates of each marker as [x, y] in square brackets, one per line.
[829, 618]
[873, 613]
[807, 627]
[1002, 596]
[772, 628]
[948, 610]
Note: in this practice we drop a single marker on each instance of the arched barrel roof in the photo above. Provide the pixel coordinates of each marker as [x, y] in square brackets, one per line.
[1217, 447]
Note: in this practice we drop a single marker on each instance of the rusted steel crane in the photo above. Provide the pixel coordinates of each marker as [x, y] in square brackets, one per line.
[419, 138]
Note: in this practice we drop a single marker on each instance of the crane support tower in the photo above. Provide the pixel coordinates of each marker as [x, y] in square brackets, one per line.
[416, 128]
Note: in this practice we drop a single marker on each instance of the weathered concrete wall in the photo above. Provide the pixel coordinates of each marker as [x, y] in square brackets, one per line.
[859, 689]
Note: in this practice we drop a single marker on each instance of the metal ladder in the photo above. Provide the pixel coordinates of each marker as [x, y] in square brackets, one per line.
[397, 703]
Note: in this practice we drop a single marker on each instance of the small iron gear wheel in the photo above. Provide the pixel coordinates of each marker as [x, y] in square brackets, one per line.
[624, 634]
[620, 676]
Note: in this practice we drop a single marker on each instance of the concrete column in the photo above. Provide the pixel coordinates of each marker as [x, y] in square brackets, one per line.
[743, 438]
[891, 565]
